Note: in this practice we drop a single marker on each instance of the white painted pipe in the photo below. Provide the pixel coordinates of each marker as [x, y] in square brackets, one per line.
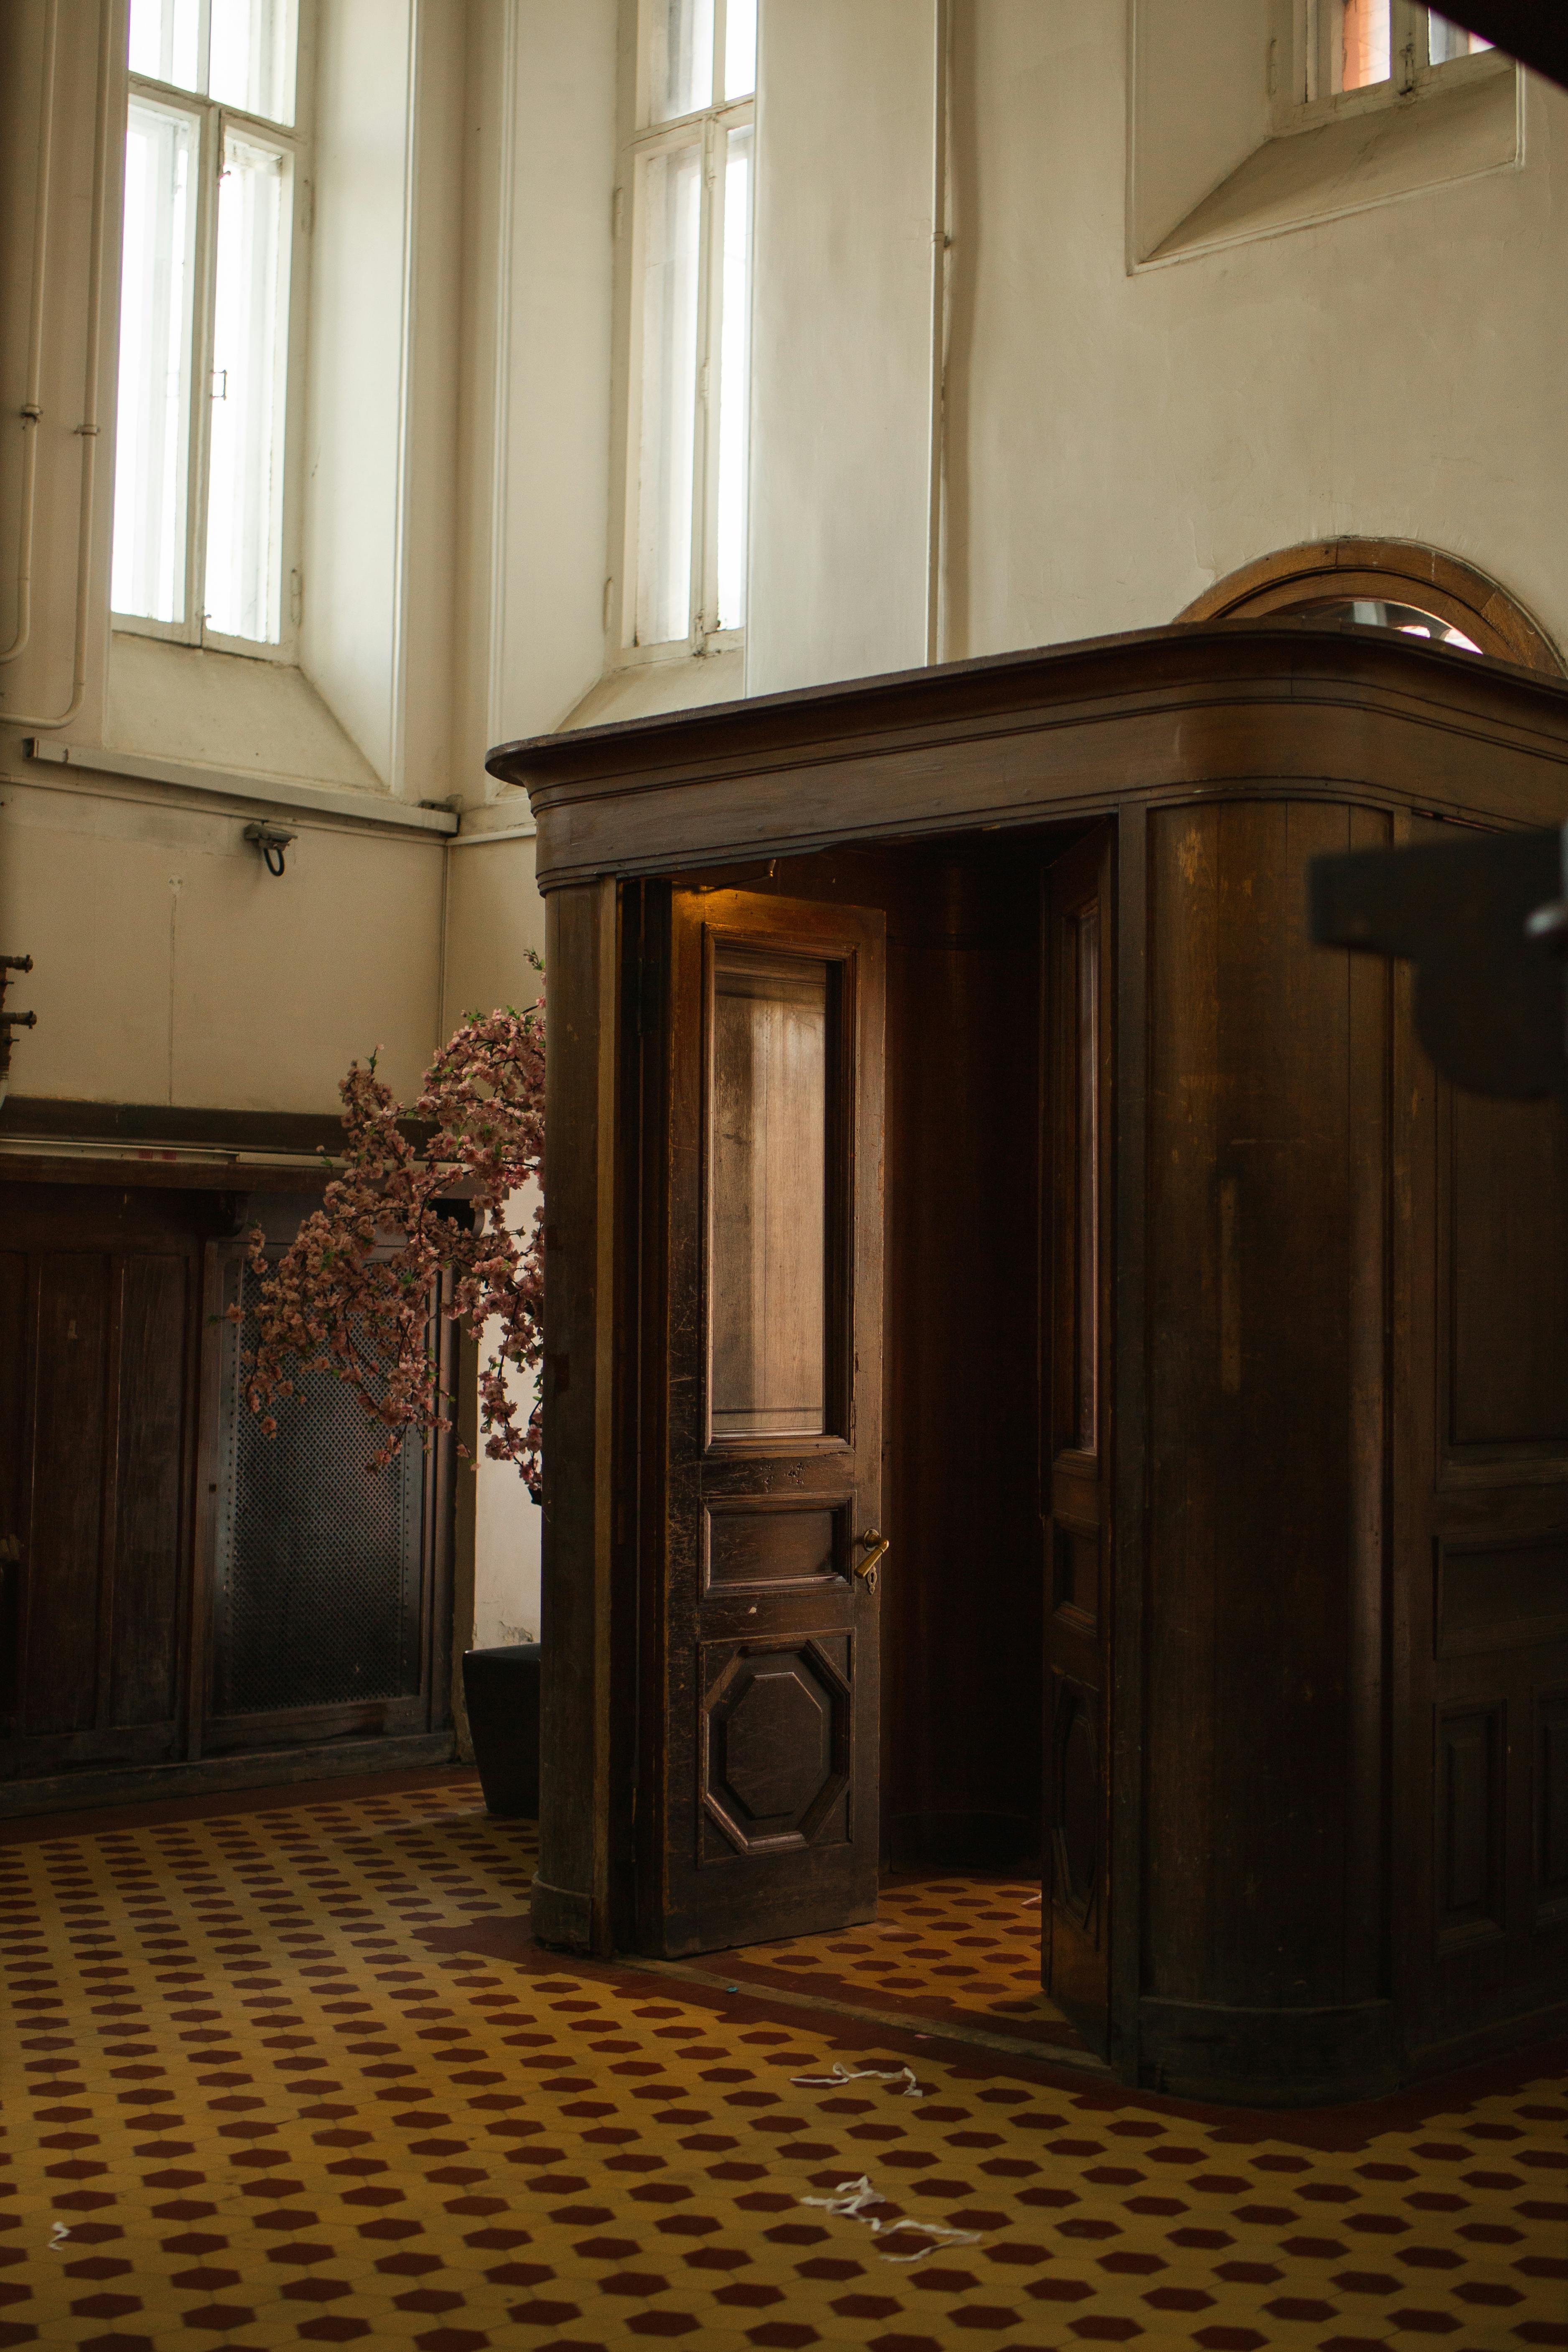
[32, 409]
[89, 428]
[940, 51]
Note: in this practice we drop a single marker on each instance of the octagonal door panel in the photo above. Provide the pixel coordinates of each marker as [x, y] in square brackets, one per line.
[765, 1764]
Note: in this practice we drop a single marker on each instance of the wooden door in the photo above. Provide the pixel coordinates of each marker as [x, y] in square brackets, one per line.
[1076, 1504]
[765, 1672]
[99, 1301]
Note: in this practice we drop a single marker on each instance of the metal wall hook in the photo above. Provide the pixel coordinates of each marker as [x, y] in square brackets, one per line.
[272, 840]
[10, 1021]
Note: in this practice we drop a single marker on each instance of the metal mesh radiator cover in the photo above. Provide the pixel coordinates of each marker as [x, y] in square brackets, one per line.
[319, 1558]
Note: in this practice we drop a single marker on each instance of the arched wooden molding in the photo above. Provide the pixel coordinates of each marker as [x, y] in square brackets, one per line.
[1390, 571]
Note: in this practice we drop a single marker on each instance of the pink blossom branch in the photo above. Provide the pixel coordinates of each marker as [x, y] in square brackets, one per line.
[356, 1291]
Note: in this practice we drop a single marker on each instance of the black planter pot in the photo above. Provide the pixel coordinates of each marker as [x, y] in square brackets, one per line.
[501, 1688]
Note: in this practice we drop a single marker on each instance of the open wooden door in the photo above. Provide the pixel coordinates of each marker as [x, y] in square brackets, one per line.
[1076, 1456]
[760, 1724]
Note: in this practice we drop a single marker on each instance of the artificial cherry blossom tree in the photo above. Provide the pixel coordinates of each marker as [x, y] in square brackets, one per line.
[354, 1293]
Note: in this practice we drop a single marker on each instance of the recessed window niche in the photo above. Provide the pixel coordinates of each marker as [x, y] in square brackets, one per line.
[1218, 156]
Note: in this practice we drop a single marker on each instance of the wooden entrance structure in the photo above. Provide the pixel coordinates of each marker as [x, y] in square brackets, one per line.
[960, 1165]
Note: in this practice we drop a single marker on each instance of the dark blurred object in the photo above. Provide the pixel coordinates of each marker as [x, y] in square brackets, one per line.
[501, 1688]
[1533, 31]
[1488, 987]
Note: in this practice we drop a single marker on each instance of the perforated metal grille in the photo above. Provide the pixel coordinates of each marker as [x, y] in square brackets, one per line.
[319, 1559]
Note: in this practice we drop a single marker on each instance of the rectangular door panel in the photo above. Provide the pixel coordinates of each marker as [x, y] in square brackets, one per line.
[764, 1820]
[60, 1652]
[148, 1518]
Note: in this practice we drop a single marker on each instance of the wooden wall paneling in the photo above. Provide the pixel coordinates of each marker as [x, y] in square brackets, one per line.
[1077, 1452]
[571, 1898]
[1269, 1334]
[1491, 1591]
[1183, 1391]
[1414, 1320]
[641, 1532]
[1551, 1821]
[217, 1260]
[148, 1491]
[15, 1431]
[1373, 1209]
[1127, 1226]
[963, 1606]
[60, 1662]
[108, 1498]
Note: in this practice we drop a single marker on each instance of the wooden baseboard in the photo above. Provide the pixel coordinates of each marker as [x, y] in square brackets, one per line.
[271, 1768]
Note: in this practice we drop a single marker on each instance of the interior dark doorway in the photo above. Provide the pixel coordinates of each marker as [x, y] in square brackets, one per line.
[988, 1125]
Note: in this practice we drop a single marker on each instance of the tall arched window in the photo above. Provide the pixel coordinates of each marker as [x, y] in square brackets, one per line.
[1383, 583]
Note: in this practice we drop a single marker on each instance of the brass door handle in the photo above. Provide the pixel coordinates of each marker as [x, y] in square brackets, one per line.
[868, 1567]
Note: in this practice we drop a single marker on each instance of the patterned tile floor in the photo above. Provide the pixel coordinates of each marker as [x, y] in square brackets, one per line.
[958, 1950]
[265, 2084]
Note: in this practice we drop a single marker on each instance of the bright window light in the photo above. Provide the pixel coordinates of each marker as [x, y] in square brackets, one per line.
[740, 49]
[166, 42]
[1367, 53]
[245, 471]
[1445, 42]
[253, 47]
[240, 52]
[203, 426]
[735, 378]
[680, 57]
[693, 173]
[1371, 53]
[671, 198]
[153, 428]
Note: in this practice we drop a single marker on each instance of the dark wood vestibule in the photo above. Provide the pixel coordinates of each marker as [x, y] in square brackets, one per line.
[1201, 1358]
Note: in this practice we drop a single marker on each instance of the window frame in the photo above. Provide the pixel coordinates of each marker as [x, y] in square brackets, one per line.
[708, 129]
[1300, 68]
[213, 120]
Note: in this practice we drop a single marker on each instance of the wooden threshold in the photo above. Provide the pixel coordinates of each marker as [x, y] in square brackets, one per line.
[977, 2037]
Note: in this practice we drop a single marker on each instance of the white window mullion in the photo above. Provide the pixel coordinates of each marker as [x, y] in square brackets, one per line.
[201, 422]
[704, 519]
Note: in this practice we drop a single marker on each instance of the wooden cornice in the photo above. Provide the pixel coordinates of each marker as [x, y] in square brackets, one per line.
[1228, 706]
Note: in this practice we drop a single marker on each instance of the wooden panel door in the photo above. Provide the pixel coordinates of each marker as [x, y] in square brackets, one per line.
[1076, 1504]
[100, 1298]
[764, 1665]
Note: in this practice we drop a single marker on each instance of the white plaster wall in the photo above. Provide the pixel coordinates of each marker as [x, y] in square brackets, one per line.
[1116, 443]
[170, 967]
[494, 916]
[840, 340]
[539, 133]
[359, 267]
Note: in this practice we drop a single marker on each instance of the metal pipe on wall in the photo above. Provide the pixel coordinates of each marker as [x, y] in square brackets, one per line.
[32, 409]
[940, 45]
[89, 428]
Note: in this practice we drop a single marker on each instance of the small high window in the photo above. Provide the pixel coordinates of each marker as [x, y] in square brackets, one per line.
[683, 579]
[1365, 51]
[215, 176]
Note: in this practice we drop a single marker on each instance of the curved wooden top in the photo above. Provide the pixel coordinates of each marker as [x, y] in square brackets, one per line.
[1467, 599]
[1229, 707]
